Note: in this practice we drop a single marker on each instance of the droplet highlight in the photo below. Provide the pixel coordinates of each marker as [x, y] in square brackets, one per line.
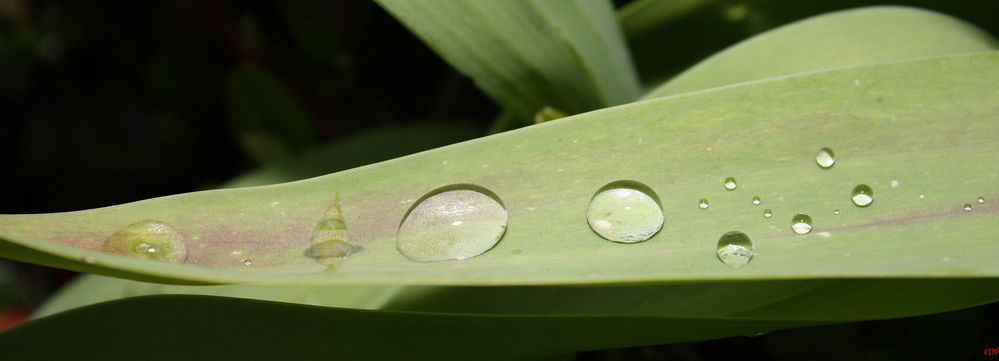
[148, 239]
[735, 249]
[730, 183]
[836, 211]
[826, 158]
[757, 200]
[625, 212]
[768, 213]
[428, 232]
[967, 207]
[981, 200]
[801, 224]
[703, 203]
[862, 195]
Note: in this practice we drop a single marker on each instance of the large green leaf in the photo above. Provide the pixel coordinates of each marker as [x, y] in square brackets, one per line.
[842, 39]
[764, 133]
[211, 328]
[529, 54]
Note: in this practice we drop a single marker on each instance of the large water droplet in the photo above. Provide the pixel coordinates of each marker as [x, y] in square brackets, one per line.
[801, 224]
[431, 230]
[735, 249]
[626, 212]
[863, 195]
[148, 240]
[703, 203]
[768, 213]
[329, 237]
[730, 183]
[825, 158]
[756, 200]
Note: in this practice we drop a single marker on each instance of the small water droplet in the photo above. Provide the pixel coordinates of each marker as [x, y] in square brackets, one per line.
[703, 203]
[626, 212]
[967, 207]
[836, 211]
[427, 233]
[329, 243]
[893, 183]
[89, 259]
[730, 183]
[825, 158]
[148, 240]
[768, 213]
[801, 223]
[735, 249]
[981, 200]
[247, 262]
[547, 113]
[756, 200]
[863, 195]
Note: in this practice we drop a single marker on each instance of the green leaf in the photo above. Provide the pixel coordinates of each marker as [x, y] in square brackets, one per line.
[573, 319]
[764, 133]
[836, 40]
[529, 54]
[212, 328]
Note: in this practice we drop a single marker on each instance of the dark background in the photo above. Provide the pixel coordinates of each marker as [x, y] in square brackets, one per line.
[107, 102]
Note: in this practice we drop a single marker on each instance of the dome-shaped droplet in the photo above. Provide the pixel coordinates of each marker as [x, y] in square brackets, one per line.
[836, 211]
[730, 183]
[862, 195]
[454, 222]
[967, 207]
[981, 200]
[626, 212]
[768, 213]
[735, 249]
[801, 224]
[148, 240]
[329, 237]
[757, 200]
[703, 203]
[825, 158]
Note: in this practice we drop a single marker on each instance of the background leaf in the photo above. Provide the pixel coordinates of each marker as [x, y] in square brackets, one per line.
[830, 41]
[529, 54]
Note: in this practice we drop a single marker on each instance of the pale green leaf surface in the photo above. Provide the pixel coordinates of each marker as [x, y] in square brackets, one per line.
[840, 39]
[764, 133]
[529, 54]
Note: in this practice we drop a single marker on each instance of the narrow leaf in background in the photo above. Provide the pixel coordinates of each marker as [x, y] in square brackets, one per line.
[569, 55]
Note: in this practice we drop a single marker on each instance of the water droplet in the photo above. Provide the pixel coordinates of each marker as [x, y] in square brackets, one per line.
[967, 207]
[825, 158]
[756, 200]
[735, 249]
[768, 213]
[730, 183]
[329, 243]
[148, 240]
[981, 200]
[863, 195]
[836, 211]
[626, 212]
[703, 203]
[247, 262]
[893, 183]
[427, 233]
[801, 224]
